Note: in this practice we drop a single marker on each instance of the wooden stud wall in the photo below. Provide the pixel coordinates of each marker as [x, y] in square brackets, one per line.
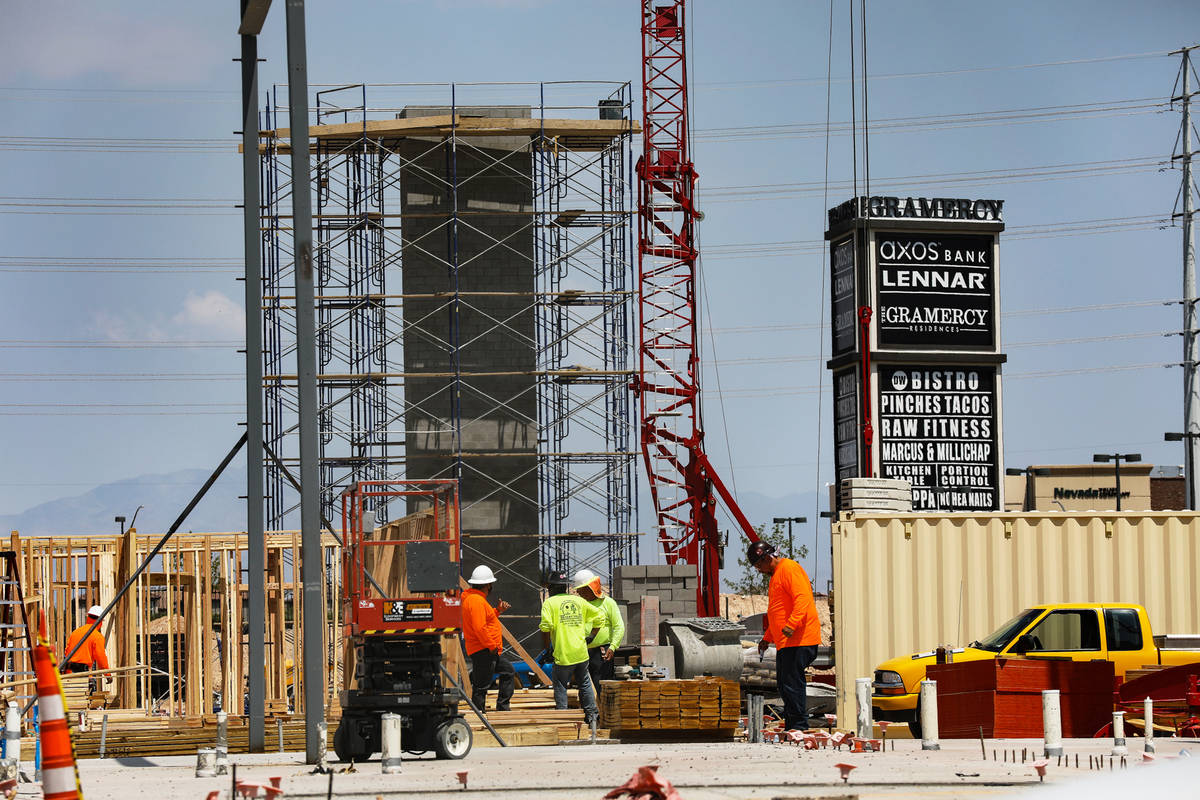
[192, 599]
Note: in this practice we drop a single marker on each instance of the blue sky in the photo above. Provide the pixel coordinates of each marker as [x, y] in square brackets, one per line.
[109, 242]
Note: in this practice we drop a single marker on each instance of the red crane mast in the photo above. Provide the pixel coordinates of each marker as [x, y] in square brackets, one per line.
[682, 480]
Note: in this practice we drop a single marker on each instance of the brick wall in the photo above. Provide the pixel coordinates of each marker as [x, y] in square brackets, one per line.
[1168, 494]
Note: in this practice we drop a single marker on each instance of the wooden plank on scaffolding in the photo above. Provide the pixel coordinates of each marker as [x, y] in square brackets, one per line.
[55, 605]
[194, 687]
[335, 683]
[71, 563]
[207, 615]
[126, 630]
[106, 590]
[298, 611]
[325, 609]
[274, 647]
[144, 630]
[239, 668]
[88, 595]
[227, 630]
[167, 574]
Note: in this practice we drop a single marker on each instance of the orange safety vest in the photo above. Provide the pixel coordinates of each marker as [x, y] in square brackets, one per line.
[481, 623]
[790, 604]
[92, 653]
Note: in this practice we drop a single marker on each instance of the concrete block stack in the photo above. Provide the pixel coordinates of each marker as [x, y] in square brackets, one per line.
[673, 584]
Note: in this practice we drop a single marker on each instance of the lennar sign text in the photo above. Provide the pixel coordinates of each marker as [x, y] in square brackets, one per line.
[940, 208]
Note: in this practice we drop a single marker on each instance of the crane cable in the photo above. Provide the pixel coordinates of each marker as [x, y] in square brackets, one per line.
[825, 259]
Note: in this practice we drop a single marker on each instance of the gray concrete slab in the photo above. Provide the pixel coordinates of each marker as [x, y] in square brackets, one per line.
[699, 771]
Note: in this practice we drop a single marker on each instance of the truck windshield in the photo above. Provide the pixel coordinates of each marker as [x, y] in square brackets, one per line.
[995, 642]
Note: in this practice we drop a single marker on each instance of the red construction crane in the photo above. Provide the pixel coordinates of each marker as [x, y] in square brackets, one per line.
[681, 477]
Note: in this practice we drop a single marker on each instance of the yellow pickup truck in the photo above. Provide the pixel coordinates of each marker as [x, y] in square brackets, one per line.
[1118, 632]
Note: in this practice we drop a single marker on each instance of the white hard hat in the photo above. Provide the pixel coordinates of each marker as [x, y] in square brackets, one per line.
[583, 578]
[481, 576]
[95, 611]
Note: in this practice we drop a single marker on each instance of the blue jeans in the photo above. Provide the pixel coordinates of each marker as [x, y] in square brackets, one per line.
[790, 663]
[562, 675]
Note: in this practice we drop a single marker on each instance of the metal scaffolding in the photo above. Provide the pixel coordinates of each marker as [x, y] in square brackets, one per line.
[473, 259]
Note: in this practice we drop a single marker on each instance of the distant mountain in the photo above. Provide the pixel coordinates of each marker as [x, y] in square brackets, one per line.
[163, 496]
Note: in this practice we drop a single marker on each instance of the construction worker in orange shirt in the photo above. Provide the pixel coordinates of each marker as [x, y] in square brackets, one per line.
[91, 655]
[792, 625]
[481, 635]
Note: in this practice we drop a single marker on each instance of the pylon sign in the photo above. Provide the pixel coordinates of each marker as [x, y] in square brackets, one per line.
[916, 354]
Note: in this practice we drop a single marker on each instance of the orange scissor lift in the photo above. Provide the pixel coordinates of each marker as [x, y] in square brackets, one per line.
[400, 600]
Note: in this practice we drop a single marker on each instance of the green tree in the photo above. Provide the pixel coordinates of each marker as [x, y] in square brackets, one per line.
[750, 580]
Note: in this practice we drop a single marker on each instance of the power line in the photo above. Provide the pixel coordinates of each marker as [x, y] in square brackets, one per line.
[796, 130]
[1049, 172]
[719, 194]
[128, 344]
[109, 144]
[739, 85]
[218, 95]
[1014, 116]
[1048, 230]
[1016, 313]
[137, 266]
[783, 391]
[119, 405]
[134, 377]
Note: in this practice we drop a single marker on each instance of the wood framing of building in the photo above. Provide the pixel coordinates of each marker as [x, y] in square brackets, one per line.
[183, 619]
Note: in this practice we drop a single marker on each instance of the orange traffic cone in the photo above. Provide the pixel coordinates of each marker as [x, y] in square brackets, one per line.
[60, 777]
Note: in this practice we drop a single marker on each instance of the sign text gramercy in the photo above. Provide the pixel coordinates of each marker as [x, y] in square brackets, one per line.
[939, 208]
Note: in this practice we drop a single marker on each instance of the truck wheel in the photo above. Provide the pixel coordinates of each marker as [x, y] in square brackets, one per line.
[452, 739]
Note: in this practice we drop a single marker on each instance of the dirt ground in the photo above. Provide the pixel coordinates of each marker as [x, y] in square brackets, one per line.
[739, 606]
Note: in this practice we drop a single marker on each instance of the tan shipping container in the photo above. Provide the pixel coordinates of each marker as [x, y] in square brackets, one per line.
[909, 582]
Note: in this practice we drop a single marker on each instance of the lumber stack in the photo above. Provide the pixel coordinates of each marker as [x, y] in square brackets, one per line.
[161, 738]
[702, 704]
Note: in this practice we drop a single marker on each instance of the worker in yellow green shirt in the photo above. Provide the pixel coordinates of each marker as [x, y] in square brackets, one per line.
[567, 624]
[603, 645]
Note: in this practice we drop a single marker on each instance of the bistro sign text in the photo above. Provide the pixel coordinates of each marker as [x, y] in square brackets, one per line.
[938, 208]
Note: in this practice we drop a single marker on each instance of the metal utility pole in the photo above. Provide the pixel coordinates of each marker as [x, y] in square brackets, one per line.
[253, 14]
[789, 521]
[1117, 458]
[1191, 351]
[1028, 503]
[306, 374]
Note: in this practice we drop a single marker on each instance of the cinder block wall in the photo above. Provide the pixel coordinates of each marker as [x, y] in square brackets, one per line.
[490, 417]
[673, 584]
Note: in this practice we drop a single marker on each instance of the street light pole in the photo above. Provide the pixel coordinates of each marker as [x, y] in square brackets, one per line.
[1117, 458]
[789, 521]
[1041, 472]
[1190, 438]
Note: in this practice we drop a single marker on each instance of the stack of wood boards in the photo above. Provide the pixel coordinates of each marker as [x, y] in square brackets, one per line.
[161, 737]
[711, 705]
[531, 720]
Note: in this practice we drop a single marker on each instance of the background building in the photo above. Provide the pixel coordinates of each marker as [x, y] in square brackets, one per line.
[1093, 487]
